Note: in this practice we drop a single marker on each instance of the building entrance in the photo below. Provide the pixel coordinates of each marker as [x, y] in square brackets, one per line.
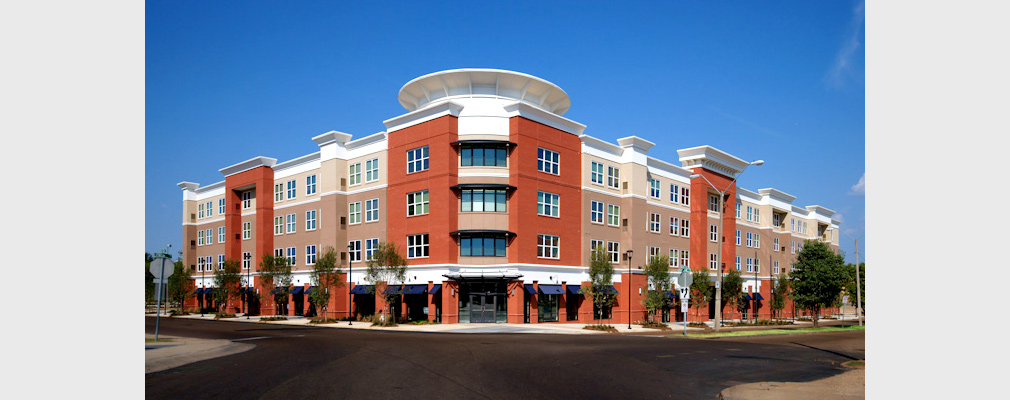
[483, 302]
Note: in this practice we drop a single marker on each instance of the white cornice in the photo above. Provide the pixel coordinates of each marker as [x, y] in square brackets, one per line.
[544, 117]
[367, 140]
[332, 136]
[713, 159]
[423, 115]
[248, 164]
[296, 162]
[440, 86]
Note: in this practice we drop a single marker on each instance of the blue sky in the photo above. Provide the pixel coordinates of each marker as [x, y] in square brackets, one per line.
[780, 81]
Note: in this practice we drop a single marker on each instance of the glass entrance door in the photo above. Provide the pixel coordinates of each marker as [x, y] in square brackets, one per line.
[482, 307]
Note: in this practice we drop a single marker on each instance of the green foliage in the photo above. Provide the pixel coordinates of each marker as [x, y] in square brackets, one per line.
[850, 283]
[658, 272]
[601, 278]
[818, 278]
[179, 282]
[148, 279]
[275, 273]
[732, 289]
[325, 275]
[226, 282]
[386, 265]
[702, 290]
[780, 292]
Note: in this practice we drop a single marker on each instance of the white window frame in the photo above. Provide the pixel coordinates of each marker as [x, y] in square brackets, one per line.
[750, 264]
[685, 258]
[210, 208]
[354, 213]
[417, 159]
[310, 185]
[246, 199]
[685, 227]
[370, 246]
[292, 189]
[737, 237]
[757, 215]
[713, 233]
[713, 202]
[246, 260]
[292, 256]
[310, 254]
[674, 226]
[220, 206]
[279, 225]
[653, 253]
[613, 177]
[750, 213]
[354, 252]
[775, 267]
[654, 219]
[596, 172]
[757, 240]
[750, 239]
[210, 236]
[594, 244]
[596, 210]
[354, 174]
[674, 193]
[372, 210]
[737, 263]
[673, 257]
[548, 161]
[199, 238]
[792, 246]
[613, 215]
[220, 234]
[548, 204]
[199, 210]
[372, 170]
[292, 223]
[416, 245]
[418, 202]
[199, 264]
[713, 261]
[757, 265]
[654, 188]
[220, 262]
[614, 252]
[775, 244]
[685, 196]
[310, 220]
[738, 207]
[279, 192]
[246, 230]
[548, 246]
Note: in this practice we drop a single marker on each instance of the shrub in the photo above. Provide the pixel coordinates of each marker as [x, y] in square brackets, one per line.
[223, 315]
[177, 312]
[605, 328]
[652, 324]
[321, 320]
[423, 322]
[697, 325]
[276, 318]
[377, 320]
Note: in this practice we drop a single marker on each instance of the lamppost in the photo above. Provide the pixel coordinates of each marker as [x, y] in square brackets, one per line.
[718, 255]
[629, 253]
[859, 291]
[350, 259]
[203, 284]
[248, 281]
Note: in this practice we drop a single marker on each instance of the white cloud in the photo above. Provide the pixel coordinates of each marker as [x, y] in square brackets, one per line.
[843, 68]
[860, 187]
[838, 217]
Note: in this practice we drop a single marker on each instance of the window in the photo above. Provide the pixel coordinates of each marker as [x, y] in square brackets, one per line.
[279, 225]
[713, 261]
[776, 220]
[737, 237]
[417, 245]
[737, 263]
[685, 196]
[653, 253]
[596, 244]
[547, 161]
[596, 212]
[613, 215]
[199, 238]
[199, 210]
[674, 195]
[775, 267]
[354, 174]
[750, 213]
[613, 177]
[713, 233]
[673, 257]
[757, 215]
[548, 246]
[674, 225]
[483, 156]
[291, 223]
[279, 253]
[793, 225]
[713, 203]
[372, 170]
[210, 236]
[292, 256]
[738, 206]
[757, 240]
[654, 222]
[210, 208]
[354, 213]
[279, 192]
[750, 239]
[614, 251]
[417, 159]
[371, 210]
[310, 220]
[246, 230]
[370, 246]
[310, 254]
[547, 204]
[246, 260]
[208, 263]
[417, 203]
[482, 200]
[750, 264]
[354, 250]
[220, 234]
[654, 188]
[685, 258]
[792, 247]
[310, 185]
[775, 244]
[291, 189]
[199, 264]
[482, 245]
[246, 199]
[220, 206]
[220, 261]
[596, 172]
[757, 265]
[685, 227]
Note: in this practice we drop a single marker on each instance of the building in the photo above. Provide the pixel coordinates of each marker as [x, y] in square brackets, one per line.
[496, 200]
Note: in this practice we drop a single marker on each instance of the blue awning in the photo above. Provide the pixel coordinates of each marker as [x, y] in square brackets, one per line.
[391, 290]
[551, 289]
[672, 295]
[530, 289]
[277, 290]
[308, 290]
[610, 290]
[435, 289]
[209, 290]
[746, 297]
[297, 290]
[361, 289]
[757, 296]
[198, 291]
[572, 289]
[414, 289]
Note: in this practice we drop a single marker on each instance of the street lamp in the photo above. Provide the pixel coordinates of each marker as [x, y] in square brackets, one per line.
[350, 260]
[248, 282]
[859, 292]
[718, 256]
[629, 253]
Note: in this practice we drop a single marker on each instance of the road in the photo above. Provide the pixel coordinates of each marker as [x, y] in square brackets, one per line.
[294, 362]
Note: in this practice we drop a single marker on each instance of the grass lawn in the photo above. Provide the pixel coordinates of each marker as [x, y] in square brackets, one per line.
[777, 331]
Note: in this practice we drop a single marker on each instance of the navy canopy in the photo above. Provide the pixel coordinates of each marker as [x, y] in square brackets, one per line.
[391, 290]
[757, 296]
[361, 289]
[209, 290]
[746, 297]
[551, 289]
[308, 290]
[435, 289]
[671, 294]
[198, 291]
[297, 290]
[530, 289]
[572, 289]
[610, 290]
[414, 289]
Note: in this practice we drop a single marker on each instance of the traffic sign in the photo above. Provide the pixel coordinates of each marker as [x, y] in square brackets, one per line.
[161, 266]
[686, 278]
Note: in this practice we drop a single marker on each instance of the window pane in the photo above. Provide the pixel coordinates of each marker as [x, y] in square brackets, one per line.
[500, 195]
[489, 196]
[478, 200]
[467, 156]
[464, 247]
[500, 157]
[499, 247]
[467, 201]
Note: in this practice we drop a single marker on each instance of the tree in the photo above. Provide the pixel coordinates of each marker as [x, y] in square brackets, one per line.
[149, 279]
[386, 265]
[701, 290]
[732, 286]
[601, 282]
[818, 278]
[780, 292]
[178, 284]
[325, 275]
[276, 275]
[657, 270]
[850, 284]
[227, 281]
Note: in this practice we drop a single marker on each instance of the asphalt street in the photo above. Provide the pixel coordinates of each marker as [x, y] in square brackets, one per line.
[292, 362]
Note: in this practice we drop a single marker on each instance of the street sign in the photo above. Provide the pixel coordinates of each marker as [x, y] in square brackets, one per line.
[683, 306]
[158, 265]
[685, 279]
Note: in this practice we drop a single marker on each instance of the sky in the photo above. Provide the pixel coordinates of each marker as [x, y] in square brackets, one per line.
[781, 81]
